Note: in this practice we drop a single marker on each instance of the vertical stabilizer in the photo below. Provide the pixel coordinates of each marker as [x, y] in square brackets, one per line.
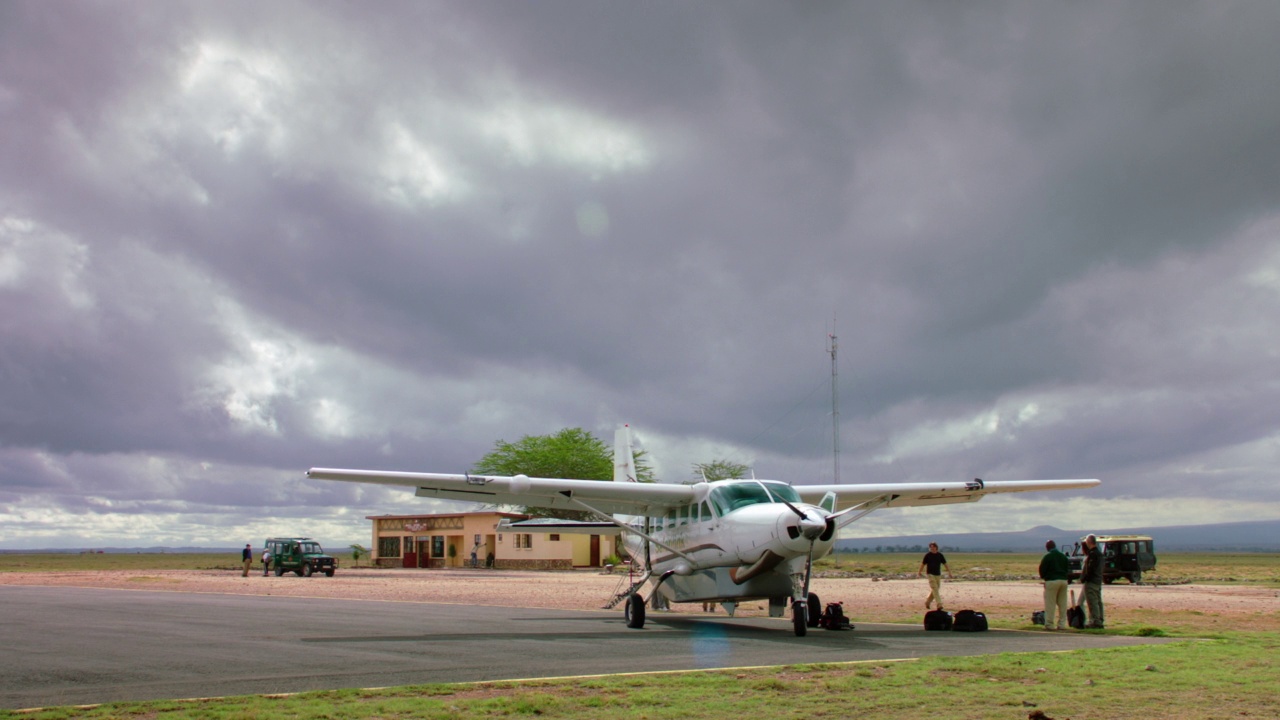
[624, 460]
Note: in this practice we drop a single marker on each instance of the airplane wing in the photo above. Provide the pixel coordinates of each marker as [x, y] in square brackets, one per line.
[628, 498]
[939, 493]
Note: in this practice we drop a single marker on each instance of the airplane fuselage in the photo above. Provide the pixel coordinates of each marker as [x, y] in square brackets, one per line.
[745, 540]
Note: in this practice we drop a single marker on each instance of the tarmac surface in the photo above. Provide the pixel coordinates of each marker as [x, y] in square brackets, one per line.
[75, 646]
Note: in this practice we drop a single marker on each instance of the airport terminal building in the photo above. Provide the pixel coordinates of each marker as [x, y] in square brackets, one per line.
[474, 539]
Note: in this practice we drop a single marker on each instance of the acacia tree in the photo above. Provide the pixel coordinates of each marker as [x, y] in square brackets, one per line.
[571, 453]
[719, 470]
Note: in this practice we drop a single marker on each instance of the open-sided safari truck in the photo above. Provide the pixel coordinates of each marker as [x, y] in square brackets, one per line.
[303, 556]
[1123, 556]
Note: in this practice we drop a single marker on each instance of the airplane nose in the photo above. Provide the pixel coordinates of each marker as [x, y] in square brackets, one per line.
[812, 527]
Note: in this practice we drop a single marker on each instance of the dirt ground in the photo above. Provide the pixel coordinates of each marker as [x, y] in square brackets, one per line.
[869, 600]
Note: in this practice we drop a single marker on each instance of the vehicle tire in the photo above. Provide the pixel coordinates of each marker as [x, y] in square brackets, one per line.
[1136, 578]
[298, 572]
[307, 570]
[815, 610]
[328, 573]
[279, 571]
[800, 618]
[634, 611]
[1107, 580]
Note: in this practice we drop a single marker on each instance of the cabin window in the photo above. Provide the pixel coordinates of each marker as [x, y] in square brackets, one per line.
[671, 518]
[684, 514]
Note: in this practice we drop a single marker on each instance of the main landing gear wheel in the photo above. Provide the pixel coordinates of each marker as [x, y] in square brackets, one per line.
[800, 618]
[815, 610]
[634, 611]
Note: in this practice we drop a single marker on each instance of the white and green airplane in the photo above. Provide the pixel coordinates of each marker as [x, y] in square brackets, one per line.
[726, 541]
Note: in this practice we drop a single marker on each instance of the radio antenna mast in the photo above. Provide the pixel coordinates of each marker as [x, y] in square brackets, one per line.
[835, 407]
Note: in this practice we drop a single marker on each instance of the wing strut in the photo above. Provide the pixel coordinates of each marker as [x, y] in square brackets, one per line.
[866, 507]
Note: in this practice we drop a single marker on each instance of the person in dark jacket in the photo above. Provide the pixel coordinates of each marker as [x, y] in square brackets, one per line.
[1055, 570]
[246, 556]
[1091, 576]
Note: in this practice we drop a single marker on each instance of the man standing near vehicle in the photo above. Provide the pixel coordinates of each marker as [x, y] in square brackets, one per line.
[1091, 576]
[246, 556]
[934, 561]
[1054, 570]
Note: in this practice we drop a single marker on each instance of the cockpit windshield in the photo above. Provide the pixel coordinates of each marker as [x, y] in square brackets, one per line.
[751, 492]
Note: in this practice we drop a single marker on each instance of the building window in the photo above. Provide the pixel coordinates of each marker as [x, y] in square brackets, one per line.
[437, 546]
[554, 537]
[523, 541]
[389, 547]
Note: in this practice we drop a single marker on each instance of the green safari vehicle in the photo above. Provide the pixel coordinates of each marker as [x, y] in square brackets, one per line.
[302, 556]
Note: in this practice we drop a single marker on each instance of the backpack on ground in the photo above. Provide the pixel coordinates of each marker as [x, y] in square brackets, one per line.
[1037, 617]
[969, 621]
[1075, 613]
[833, 618]
[937, 620]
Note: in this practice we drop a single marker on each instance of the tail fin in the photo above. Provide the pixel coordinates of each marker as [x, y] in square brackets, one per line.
[624, 462]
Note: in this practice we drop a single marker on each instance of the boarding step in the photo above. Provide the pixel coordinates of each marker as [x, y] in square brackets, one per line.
[630, 585]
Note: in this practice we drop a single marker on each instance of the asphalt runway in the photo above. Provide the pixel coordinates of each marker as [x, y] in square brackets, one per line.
[72, 646]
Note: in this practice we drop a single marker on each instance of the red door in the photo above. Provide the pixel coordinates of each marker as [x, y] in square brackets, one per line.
[595, 551]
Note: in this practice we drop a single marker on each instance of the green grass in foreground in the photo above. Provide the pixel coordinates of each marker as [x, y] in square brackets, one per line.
[1230, 676]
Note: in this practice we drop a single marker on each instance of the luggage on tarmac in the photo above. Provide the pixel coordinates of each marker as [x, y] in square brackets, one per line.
[969, 621]
[833, 618]
[937, 620]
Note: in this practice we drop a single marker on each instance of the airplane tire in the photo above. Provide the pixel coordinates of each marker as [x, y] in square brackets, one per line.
[635, 611]
[815, 610]
[800, 618]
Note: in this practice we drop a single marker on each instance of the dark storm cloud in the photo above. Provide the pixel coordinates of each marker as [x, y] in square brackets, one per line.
[238, 240]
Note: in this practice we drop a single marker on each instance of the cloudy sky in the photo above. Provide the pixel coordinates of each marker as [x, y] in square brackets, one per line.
[238, 240]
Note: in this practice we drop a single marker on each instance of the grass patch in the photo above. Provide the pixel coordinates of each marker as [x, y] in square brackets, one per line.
[1171, 568]
[142, 562]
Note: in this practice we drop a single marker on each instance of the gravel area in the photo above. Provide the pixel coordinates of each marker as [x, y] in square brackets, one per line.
[865, 599]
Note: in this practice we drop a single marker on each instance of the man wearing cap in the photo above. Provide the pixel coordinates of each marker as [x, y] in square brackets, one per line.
[1055, 568]
[246, 556]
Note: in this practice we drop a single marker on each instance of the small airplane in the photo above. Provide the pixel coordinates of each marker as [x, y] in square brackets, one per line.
[726, 541]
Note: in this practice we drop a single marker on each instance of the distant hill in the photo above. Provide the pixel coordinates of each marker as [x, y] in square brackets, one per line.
[1257, 536]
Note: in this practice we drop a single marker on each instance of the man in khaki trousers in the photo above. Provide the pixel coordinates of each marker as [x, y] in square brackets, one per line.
[1054, 570]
